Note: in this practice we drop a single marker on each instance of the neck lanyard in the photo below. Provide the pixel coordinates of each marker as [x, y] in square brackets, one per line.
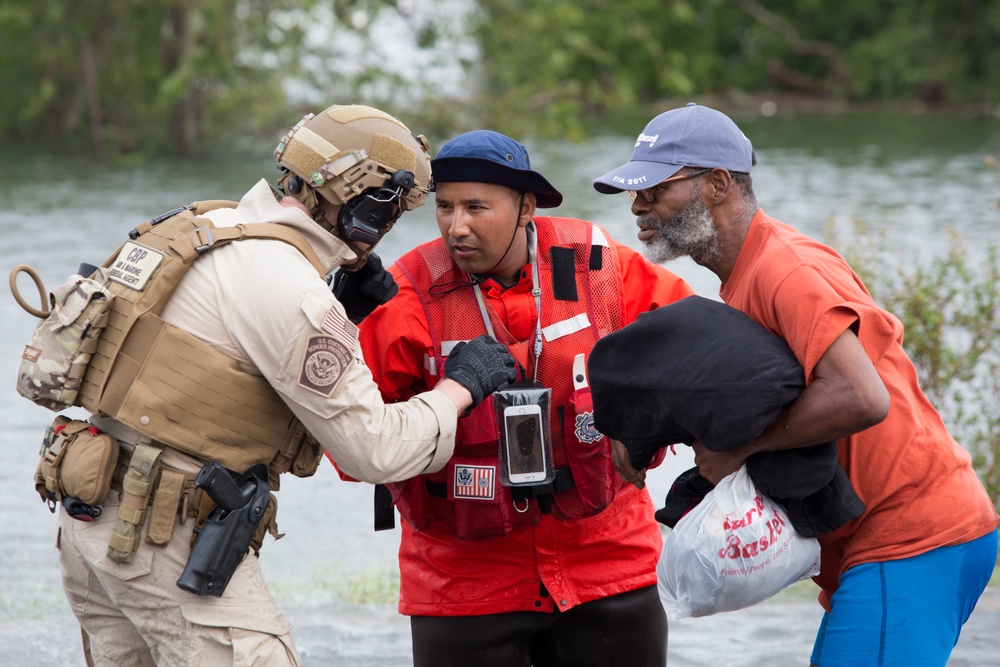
[536, 292]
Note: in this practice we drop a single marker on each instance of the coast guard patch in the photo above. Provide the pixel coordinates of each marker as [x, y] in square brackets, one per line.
[323, 364]
[585, 430]
[474, 482]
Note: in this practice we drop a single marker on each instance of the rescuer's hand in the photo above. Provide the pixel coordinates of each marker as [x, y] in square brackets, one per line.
[364, 290]
[482, 366]
[619, 455]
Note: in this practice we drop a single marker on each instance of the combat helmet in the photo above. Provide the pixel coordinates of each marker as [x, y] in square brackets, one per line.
[347, 151]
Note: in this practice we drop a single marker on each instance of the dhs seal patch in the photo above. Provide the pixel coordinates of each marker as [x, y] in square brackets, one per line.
[323, 364]
[584, 428]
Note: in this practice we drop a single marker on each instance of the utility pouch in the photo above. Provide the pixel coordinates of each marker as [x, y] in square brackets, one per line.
[588, 453]
[76, 461]
[413, 501]
[476, 502]
[467, 493]
[483, 507]
[307, 458]
[225, 537]
[299, 452]
[477, 431]
[54, 361]
[143, 469]
[163, 511]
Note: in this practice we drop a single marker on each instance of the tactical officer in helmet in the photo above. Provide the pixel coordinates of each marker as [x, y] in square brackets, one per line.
[226, 360]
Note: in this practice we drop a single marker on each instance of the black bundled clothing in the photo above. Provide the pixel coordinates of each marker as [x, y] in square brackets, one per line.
[684, 494]
[698, 369]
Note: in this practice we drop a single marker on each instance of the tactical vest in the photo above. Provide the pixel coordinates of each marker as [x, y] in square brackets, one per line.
[170, 385]
[581, 301]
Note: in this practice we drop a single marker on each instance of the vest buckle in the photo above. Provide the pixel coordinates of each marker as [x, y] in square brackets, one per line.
[205, 235]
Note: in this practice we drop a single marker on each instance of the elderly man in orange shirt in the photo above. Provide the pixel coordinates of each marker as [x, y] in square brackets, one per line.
[899, 581]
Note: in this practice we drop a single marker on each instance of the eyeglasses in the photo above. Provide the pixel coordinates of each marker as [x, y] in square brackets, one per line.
[649, 194]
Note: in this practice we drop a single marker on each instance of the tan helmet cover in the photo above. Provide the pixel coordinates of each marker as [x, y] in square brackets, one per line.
[347, 149]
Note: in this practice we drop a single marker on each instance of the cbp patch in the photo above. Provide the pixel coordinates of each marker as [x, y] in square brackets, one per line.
[323, 364]
[134, 266]
[585, 430]
[474, 482]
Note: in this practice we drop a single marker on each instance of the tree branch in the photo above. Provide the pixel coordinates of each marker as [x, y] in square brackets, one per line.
[787, 32]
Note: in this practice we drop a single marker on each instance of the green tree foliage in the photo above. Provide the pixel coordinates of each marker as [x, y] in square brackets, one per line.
[934, 50]
[544, 68]
[950, 309]
[142, 76]
[188, 76]
[547, 64]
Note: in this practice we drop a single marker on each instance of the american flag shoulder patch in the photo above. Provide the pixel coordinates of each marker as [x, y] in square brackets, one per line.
[474, 482]
[336, 324]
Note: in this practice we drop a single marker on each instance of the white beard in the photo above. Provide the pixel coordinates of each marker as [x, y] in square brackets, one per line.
[690, 233]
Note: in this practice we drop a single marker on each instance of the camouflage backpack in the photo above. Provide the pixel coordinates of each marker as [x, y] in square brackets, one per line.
[54, 361]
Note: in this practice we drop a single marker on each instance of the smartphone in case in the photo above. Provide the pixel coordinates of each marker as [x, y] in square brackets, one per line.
[525, 439]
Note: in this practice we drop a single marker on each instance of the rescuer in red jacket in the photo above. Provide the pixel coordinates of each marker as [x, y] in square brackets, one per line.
[561, 573]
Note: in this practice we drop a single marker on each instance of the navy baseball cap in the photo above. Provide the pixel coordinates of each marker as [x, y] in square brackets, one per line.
[691, 136]
[484, 156]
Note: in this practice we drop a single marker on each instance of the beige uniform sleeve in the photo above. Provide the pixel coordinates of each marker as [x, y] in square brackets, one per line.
[296, 334]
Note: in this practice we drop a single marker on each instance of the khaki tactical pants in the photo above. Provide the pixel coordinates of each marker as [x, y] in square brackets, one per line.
[136, 615]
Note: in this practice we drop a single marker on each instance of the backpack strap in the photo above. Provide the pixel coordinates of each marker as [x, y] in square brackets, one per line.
[194, 243]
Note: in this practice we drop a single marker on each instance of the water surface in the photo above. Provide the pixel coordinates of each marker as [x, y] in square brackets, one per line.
[915, 176]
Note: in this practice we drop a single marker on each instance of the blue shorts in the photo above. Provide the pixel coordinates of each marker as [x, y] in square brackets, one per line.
[905, 612]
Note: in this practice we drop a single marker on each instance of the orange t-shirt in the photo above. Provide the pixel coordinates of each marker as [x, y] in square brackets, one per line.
[917, 483]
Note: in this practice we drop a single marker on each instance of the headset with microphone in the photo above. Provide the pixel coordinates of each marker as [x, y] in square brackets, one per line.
[367, 216]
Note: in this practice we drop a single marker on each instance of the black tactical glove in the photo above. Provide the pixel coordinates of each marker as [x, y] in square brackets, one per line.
[364, 290]
[482, 366]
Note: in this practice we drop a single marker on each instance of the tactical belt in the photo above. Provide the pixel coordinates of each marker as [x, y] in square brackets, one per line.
[171, 493]
[187, 505]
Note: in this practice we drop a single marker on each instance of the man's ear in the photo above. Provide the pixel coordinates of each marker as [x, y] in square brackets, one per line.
[527, 209]
[722, 184]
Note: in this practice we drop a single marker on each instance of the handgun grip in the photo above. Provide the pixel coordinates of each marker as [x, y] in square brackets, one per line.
[219, 484]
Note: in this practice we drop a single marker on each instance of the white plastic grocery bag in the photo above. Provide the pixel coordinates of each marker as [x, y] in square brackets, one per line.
[736, 548]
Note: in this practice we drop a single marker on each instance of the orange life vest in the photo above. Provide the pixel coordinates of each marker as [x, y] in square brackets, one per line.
[581, 300]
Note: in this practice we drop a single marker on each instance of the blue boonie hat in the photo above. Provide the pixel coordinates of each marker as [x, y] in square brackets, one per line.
[484, 156]
[692, 136]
